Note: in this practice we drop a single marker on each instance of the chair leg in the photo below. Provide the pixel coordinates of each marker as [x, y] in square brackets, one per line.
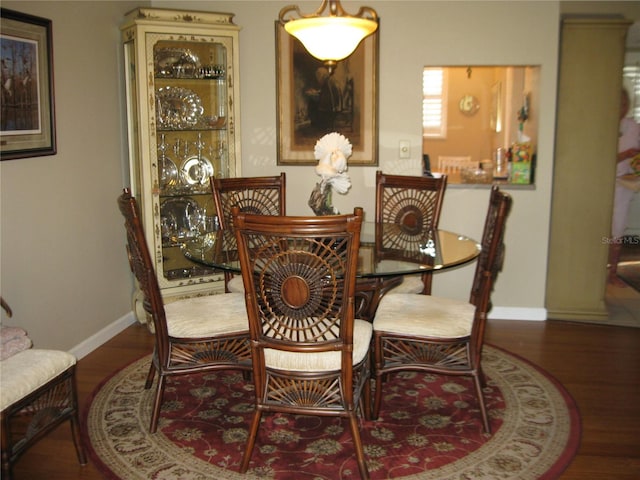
[7, 470]
[357, 443]
[378, 374]
[427, 279]
[377, 397]
[75, 423]
[477, 380]
[483, 378]
[365, 400]
[157, 403]
[75, 433]
[150, 375]
[251, 441]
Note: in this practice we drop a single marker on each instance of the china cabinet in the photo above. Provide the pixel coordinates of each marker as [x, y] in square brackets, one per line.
[182, 117]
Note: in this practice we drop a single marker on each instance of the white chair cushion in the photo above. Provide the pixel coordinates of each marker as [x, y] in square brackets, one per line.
[235, 285]
[28, 370]
[424, 315]
[410, 284]
[205, 316]
[324, 361]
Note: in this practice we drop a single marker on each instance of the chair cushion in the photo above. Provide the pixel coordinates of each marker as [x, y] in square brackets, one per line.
[324, 361]
[28, 370]
[425, 315]
[410, 284]
[205, 316]
[235, 285]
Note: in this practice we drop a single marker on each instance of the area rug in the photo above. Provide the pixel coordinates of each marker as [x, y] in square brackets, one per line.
[429, 428]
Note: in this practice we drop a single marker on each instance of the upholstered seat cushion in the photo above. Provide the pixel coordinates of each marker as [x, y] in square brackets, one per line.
[410, 284]
[235, 285]
[425, 315]
[28, 370]
[206, 316]
[311, 362]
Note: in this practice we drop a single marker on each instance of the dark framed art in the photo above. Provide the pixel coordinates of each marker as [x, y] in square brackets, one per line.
[27, 119]
[312, 103]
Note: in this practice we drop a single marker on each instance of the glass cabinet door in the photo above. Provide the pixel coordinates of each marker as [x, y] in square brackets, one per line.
[190, 91]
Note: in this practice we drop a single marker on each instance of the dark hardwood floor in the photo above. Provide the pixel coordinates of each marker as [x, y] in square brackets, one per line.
[599, 366]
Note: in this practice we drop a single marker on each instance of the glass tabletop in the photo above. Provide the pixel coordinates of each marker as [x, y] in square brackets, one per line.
[385, 250]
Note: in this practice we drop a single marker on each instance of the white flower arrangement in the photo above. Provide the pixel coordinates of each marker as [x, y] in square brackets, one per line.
[332, 152]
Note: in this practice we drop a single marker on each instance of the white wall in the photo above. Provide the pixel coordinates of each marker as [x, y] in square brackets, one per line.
[64, 270]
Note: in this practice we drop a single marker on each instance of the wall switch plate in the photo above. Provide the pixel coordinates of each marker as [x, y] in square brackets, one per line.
[405, 149]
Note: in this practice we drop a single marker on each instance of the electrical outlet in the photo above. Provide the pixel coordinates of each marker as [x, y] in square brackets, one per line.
[404, 149]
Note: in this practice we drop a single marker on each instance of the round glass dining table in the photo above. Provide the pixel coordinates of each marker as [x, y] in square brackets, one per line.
[387, 253]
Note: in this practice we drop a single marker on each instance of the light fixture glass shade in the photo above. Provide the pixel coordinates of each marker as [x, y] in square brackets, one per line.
[331, 38]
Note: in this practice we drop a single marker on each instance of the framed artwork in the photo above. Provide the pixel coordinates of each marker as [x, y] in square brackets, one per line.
[27, 119]
[312, 103]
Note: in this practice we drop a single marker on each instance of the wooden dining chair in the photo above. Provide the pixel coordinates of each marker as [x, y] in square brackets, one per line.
[255, 195]
[310, 356]
[38, 393]
[442, 335]
[412, 206]
[192, 335]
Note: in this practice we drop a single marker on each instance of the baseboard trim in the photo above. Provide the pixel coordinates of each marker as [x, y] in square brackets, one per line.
[518, 313]
[107, 333]
[579, 315]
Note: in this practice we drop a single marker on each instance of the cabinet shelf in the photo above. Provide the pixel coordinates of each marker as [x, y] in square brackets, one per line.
[182, 80]
[206, 191]
[198, 129]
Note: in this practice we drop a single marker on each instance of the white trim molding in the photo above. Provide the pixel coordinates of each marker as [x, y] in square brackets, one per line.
[518, 313]
[107, 333]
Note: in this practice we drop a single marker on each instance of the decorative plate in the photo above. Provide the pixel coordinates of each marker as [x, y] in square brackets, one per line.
[177, 107]
[176, 62]
[196, 170]
[469, 105]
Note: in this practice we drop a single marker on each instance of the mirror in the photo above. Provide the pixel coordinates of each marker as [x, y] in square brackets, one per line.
[480, 123]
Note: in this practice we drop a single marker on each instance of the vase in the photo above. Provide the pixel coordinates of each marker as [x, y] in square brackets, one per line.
[320, 200]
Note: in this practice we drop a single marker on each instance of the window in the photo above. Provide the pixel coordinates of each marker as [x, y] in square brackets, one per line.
[434, 103]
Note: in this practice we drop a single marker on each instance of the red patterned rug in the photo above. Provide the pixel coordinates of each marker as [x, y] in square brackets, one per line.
[429, 428]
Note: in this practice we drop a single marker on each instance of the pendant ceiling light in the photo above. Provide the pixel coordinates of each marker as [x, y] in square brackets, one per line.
[332, 37]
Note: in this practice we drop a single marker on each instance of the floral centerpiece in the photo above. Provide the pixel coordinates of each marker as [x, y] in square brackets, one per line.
[332, 152]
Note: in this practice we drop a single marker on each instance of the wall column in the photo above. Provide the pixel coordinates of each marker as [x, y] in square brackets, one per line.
[591, 61]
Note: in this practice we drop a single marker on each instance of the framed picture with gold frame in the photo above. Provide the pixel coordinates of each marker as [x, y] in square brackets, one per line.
[27, 125]
[311, 102]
